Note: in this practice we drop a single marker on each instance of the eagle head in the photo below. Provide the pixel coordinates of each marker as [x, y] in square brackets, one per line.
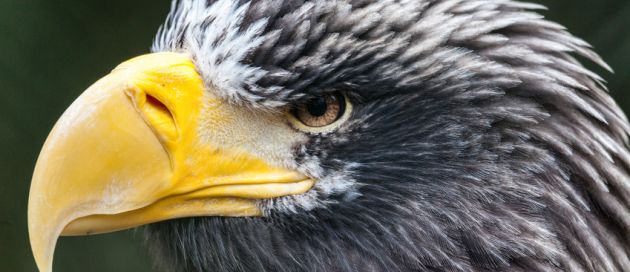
[349, 135]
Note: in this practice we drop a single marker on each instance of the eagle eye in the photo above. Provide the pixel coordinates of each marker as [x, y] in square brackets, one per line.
[320, 113]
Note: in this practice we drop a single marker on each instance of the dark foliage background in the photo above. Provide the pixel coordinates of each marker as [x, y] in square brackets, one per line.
[50, 51]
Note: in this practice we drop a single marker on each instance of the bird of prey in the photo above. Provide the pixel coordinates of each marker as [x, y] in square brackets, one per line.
[347, 135]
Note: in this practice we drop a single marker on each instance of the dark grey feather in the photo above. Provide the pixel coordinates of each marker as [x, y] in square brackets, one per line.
[478, 142]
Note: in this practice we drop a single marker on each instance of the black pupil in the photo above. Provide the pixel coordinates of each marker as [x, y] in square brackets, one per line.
[317, 106]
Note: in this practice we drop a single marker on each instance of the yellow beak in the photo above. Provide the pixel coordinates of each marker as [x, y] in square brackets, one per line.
[129, 152]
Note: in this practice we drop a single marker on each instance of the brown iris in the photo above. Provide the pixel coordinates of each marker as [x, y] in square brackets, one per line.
[321, 111]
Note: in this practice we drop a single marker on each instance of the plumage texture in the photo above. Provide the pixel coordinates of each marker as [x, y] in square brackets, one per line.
[477, 142]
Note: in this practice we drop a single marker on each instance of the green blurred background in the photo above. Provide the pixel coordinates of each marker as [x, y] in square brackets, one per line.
[50, 51]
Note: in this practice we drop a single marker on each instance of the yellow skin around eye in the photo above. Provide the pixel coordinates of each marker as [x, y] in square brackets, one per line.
[302, 120]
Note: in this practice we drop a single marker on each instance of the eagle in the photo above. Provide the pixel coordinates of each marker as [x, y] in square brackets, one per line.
[347, 135]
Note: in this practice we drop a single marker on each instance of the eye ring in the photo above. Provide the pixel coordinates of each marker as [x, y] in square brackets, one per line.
[321, 114]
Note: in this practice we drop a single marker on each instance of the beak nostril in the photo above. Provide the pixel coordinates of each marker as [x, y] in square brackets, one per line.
[156, 105]
[159, 118]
